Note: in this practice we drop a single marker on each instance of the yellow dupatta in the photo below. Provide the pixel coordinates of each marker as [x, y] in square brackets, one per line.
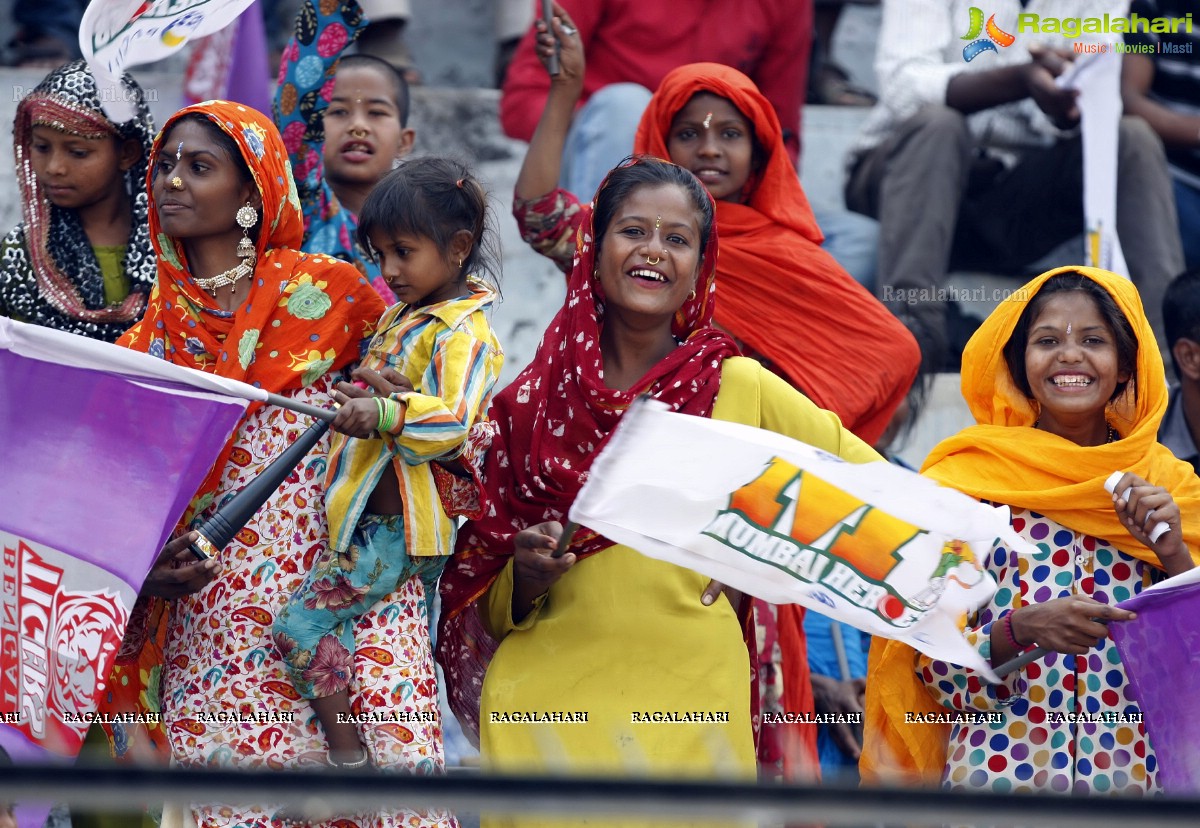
[1026, 469]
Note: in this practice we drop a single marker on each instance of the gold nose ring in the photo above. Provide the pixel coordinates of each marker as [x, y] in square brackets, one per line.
[656, 261]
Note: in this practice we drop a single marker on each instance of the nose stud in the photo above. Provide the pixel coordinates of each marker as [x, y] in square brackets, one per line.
[176, 183]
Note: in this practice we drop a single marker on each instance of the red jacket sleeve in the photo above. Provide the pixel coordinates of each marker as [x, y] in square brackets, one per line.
[782, 72]
[526, 85]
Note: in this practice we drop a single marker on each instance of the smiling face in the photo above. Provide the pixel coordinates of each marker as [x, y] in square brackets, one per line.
[713, 140]
[211, 185]
[1071, 361]
[363, 135]
[651, 252]
[75, 172]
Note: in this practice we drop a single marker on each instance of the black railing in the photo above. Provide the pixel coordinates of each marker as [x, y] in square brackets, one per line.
[325, 792]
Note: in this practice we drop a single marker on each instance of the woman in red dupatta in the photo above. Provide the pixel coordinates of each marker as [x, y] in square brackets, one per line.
[784, 299]
[291, 325]
[791, 305]
[618, 636]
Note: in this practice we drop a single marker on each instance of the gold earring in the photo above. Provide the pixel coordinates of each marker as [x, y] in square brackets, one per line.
[246, 218]
[692, 295]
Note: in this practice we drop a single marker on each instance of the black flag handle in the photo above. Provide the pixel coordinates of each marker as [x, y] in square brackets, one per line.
[219, 529]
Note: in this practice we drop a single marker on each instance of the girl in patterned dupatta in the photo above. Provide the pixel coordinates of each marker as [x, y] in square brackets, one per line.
[603, 630]
[81, 259]
[289, 322]
[1066, 384]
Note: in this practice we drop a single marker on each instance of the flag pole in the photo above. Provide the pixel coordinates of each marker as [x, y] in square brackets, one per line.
[221, 527]
[326, 414]
[1030, 656]
[1014, 664]
[565, 541]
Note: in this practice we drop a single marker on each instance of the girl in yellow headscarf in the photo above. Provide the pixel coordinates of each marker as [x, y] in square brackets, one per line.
[1066, 384]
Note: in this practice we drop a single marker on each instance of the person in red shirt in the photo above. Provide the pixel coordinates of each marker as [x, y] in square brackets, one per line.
[632, 44]
[636, 42]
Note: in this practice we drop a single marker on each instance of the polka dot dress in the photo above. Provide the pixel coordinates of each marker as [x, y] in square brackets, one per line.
[1067, 723]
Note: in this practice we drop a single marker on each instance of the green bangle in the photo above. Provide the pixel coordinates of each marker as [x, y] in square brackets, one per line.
[381, 425]
[389, 414]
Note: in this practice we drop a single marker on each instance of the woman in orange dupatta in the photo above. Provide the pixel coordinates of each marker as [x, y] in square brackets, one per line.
[291, 323]
[1050, 432]
[785, 299]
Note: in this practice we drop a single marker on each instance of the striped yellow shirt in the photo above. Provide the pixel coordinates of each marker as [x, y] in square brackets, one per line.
[450, 354]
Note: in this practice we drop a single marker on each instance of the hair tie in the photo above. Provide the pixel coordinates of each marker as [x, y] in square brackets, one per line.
[459, 183]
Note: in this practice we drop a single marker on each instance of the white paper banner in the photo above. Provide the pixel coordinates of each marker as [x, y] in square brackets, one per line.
[117, 34]
[874, 545]
[1098, 79]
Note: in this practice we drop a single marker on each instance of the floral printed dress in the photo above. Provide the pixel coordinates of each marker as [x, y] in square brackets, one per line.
[226, 697]
[1066, 723]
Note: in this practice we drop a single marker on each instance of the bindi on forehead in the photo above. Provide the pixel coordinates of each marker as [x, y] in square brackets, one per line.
[358, 96]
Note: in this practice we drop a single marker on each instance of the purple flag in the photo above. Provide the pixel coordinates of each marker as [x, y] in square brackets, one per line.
[249, 76]
[1161, 653]
[100, 460]
[231, 64]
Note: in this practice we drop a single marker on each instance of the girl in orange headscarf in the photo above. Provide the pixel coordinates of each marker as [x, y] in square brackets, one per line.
[1066, 383]
[784, 300]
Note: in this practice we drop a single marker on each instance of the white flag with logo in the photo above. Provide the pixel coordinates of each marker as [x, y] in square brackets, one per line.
[117, 34]
[874, 545]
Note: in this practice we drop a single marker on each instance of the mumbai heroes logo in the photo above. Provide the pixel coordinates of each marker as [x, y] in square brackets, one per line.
[995, 36]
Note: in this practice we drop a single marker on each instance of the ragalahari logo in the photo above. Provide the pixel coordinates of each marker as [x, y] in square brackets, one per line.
[978, 45]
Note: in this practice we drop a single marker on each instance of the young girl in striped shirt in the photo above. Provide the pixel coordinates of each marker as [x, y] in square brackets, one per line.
[426, 379]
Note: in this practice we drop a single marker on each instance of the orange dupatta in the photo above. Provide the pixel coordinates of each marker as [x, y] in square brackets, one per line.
[306, 314]
[779, 292]
[1029, 469]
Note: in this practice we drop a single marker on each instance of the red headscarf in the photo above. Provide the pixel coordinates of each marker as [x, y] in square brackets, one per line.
[781, 294]
[305, 315]
[550, 424]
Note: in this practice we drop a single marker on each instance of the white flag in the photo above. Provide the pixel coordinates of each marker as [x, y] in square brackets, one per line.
[874, 545]
[117, 34]
[1097, 76]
